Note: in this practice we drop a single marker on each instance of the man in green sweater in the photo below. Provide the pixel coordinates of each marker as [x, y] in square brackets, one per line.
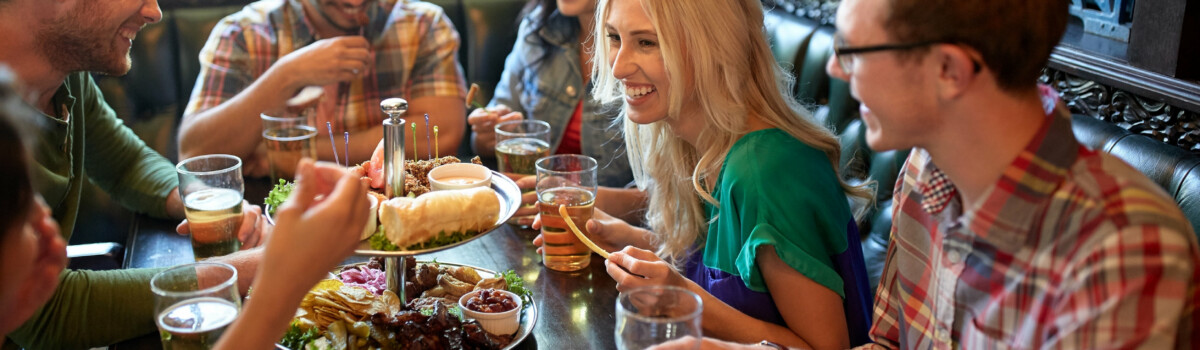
[51, 45]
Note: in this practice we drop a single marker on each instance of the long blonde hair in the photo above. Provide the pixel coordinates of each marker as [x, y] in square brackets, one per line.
[719, 49]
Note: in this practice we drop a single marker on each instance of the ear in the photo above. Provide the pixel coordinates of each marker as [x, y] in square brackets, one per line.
[957, 70]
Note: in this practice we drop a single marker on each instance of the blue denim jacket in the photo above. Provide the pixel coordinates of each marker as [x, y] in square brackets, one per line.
[549, 90]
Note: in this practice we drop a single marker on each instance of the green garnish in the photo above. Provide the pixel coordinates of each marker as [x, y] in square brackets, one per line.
[278, 195]
[516, 284]
[379, 242]
[444, 239]
[453, 311]
[297, 338]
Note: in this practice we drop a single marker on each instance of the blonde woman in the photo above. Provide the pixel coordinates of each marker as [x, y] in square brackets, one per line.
[745, 195]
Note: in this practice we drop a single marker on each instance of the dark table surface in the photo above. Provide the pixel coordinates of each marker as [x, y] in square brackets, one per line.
[575, 310]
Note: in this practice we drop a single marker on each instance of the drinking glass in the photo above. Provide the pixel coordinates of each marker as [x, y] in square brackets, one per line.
[288, 138]
[194, 304]
[566, 179]
[520, 143]
[651, 315]
[211, 188]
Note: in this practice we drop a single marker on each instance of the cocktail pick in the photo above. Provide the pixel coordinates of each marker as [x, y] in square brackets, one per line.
[562, 211]
[329, 128]
[346, 138]
[428, 150]
[414, 128]
[435, 143]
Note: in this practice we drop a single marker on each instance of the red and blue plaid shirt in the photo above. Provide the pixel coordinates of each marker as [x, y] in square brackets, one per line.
[413, 45]
[1071, 248]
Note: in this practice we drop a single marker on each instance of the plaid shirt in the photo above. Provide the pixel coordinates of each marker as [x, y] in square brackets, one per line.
[1071, 248]
[413, 44]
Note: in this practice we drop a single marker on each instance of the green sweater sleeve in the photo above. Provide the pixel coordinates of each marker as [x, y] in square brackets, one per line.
[118, 161]
[92, 309]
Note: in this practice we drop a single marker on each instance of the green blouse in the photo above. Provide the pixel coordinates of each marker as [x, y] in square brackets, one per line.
[775, 190]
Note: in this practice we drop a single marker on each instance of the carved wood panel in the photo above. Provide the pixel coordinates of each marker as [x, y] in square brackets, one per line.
[1158, 120]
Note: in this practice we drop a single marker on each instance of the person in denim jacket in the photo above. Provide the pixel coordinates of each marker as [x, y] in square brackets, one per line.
[547, 77]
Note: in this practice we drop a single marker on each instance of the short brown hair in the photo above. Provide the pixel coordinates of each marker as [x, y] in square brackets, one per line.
[1014, 37]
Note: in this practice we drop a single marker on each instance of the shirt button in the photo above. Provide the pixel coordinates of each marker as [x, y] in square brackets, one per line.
[954, 257]
[571, 91]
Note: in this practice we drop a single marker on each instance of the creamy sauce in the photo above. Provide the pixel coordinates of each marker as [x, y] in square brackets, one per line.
[460, 180]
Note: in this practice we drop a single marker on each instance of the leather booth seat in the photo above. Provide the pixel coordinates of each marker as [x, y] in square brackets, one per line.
[153, 95]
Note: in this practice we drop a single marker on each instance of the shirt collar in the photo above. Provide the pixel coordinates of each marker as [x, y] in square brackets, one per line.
[559, 30]
[1011, 205]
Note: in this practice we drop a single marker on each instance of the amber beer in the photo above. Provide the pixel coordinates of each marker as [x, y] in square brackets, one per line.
[518, 155]
[214, 216]
[286, 146]
[195, 323]
[563, 251]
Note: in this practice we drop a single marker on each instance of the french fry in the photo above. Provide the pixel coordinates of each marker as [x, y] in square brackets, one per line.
[562, 210]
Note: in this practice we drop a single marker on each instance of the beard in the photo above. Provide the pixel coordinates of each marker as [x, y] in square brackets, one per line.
[80, 42]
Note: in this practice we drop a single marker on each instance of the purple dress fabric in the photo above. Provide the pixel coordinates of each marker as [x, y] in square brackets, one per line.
[730, 289]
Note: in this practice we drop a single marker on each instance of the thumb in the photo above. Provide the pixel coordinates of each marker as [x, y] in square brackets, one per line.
[593, 227]
[183, 228]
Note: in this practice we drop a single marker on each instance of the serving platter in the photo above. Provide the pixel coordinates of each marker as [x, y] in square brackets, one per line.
[510, 200]
[529, 314]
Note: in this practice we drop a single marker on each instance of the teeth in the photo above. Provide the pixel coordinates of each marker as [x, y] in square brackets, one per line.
[127, 34]
[636, 92]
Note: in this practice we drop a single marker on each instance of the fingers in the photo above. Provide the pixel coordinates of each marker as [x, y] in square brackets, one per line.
[302, 196]
[525, 182]
[537, 241]
[536, 224]
[248, 233]
[594, 227]
[509, 117]
[183, 228]
[481, 120]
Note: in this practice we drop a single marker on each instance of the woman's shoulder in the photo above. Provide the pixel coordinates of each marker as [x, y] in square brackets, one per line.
[770, 150]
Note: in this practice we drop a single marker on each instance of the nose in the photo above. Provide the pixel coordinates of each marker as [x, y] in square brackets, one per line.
[834, 69]
[622, 65]
[151, 12]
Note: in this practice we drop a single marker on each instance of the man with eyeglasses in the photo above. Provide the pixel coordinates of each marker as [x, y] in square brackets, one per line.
[1006, 232]
[359, 51]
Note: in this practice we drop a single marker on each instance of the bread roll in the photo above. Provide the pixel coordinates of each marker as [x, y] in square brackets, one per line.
[407, 221]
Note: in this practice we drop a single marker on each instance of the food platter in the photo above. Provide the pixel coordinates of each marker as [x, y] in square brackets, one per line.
[528, 316]
[510, 200]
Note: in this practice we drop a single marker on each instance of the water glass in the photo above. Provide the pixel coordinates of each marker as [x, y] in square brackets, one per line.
[288, 138]
[194, 304]
[520, 143]
[211, 188]
[566, 179]
[651, 315]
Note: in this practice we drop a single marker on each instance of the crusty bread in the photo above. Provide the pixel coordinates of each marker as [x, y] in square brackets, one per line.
[407, 221]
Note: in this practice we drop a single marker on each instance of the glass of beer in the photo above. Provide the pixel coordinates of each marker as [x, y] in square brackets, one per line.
[520, 143]
[211, 188]
[288, 138]
[565, 179]
[651, 315]
[194, 304]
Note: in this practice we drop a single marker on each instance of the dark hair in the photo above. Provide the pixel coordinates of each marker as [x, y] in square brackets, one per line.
[547, 14]
[16, 187]
[1014, 37]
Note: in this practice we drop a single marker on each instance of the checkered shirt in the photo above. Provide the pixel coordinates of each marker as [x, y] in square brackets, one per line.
[1071, 248]
[413, 45]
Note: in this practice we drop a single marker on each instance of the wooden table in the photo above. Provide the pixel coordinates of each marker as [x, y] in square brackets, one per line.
[575, 310]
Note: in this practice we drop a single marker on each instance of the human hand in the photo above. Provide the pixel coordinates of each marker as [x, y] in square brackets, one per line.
[251, 233]
[689, 342]
[323, 62]
[41, 277]
[634, 267]
[529, 202]
[257, 164]
[318, 226]
[607, 232]
[483, 124]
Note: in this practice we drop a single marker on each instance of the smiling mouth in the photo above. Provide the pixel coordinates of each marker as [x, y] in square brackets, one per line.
[637, 92]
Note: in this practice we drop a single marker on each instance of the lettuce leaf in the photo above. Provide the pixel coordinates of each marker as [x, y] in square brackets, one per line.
[278, 195]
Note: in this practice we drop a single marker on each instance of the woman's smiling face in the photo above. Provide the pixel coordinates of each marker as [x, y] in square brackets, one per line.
[637, 61]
